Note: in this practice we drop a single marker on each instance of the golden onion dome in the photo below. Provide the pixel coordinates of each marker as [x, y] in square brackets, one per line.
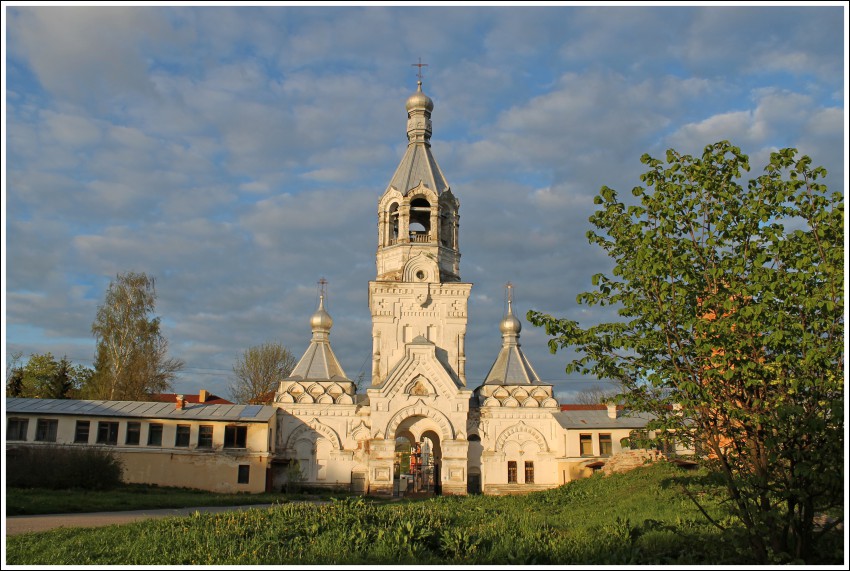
[321, 320]
[419, 100]
[510, 325]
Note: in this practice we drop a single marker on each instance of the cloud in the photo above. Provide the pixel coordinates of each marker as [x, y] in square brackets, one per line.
[237, 154]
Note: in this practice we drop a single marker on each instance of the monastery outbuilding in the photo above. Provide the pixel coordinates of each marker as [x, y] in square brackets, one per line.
[418, 428]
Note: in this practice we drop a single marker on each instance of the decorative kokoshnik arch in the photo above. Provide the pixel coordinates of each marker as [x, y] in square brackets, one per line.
[311, 428]
[420, 409]
[521, 428]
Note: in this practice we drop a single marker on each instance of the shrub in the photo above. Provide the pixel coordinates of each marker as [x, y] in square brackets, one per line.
[60, 467]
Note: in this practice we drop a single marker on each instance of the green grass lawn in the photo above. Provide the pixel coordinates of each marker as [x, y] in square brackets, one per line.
[20, 501]
[640, 517]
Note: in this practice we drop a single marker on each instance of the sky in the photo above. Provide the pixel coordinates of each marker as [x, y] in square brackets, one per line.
[237, 155]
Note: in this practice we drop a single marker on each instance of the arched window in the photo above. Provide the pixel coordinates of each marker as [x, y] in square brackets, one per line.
[420, 220]
[393, 224]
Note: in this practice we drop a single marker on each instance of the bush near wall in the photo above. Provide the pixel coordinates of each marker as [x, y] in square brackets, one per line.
[60, 467]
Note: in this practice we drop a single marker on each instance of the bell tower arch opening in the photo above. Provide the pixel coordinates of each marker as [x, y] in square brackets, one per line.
[420, 220]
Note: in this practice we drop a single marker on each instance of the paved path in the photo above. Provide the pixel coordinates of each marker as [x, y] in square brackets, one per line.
[30, 523]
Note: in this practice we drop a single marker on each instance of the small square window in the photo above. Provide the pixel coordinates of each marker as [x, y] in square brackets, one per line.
[45, 429]
[154, 434]
[181, 438]
[244, 474]
[134, 432]
[81, 432]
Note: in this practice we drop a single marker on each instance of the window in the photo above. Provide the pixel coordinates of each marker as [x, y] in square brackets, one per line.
[155, 434]
[244, 474]
[182, 436]
[585, 444]
[107, 433]
[511, 472]
[529, 472]
[605, 445]
[17, 429]
[205, 432]
[235, 436]
[81, 432]
[45, 429]
[134, 431]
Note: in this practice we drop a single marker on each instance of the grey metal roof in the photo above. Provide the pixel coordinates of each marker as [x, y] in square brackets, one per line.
[318, 364]
[577, 419]
[141, 409]
[512, 368]
[418, 165]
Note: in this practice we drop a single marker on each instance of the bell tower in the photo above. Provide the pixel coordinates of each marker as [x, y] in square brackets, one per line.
[418, 291]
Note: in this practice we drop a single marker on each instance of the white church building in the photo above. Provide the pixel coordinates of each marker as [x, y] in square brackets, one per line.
[508, 435]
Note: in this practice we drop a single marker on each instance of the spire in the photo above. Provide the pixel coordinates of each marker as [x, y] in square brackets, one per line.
[319, 362]
[418, 164]
[511, 366]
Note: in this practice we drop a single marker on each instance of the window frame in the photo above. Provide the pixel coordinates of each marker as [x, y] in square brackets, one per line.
[134, 429]
[204, 440]
[234, 435]
[158, 432]
[582, 440]
[78, 433]
[243, 474]
[605, 441]
[46, 429]
[105, 434]
[19, 432]
[529, 472]
[182, 435]
[512, 472]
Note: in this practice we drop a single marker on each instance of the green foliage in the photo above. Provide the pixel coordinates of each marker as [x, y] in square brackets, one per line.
[731, 307]
[131, 359]
[636, 518]
[42, 376]
[59, 467]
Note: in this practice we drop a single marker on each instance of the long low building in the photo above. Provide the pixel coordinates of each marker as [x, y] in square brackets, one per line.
[222, 448]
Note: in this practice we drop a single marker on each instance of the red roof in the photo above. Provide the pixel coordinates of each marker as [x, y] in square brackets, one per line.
[190, 399]
[588, 407]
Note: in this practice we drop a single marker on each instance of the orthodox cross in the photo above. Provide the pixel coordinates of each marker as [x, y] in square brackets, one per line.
[322, 283]
[509, 291]
[420, 65]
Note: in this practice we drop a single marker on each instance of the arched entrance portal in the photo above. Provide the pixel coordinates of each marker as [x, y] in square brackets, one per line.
[418, 458]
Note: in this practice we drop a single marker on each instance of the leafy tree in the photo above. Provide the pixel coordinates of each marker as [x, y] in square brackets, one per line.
[131, 360]
[15, 375]
[258, 370]
[732, 330]
[42, 376]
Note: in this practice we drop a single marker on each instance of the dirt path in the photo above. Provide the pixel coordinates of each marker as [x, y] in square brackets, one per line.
[16, 525]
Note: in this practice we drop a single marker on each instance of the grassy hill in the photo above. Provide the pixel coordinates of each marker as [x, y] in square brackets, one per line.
[641, 517]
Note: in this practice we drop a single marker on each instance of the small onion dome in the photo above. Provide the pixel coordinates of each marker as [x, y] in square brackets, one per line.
[419, 100]
[321, 320]
[510, 325]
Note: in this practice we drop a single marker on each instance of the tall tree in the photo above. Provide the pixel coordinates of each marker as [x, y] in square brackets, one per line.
[42, 376]
[731, 304]
[258, 370]
[131, 360]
